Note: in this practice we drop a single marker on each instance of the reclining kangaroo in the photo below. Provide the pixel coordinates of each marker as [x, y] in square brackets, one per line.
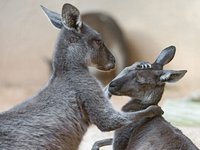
[145, 83]
[59, 115]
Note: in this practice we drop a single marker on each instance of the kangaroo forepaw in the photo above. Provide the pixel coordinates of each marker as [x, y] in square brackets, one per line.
[154, 111]
[144, 65]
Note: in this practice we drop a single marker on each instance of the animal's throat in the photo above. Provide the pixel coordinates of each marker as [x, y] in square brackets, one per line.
[140, 105]
[136, 105]
[68, 59]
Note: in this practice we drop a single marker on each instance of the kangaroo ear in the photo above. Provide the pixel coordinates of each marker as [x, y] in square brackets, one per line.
[166, 55]
[54, 17]
[71, 17]
[172, 76]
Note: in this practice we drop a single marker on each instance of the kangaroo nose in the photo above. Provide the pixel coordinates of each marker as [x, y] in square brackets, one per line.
[112, 84]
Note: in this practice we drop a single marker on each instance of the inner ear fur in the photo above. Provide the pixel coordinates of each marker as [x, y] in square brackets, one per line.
[172, 76]
[70, 17]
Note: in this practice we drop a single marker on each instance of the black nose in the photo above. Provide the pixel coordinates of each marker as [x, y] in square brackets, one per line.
[112, 84]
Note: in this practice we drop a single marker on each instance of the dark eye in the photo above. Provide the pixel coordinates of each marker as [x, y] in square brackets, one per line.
[98, 42]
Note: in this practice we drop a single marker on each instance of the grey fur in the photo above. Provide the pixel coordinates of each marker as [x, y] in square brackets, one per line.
[146, 87]
[57, 117]
[112, 36]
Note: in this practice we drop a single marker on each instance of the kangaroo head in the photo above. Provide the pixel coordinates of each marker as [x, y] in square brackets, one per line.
[146, 84]
[78, 41]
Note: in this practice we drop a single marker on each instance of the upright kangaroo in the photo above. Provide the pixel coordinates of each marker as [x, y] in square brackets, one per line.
[58, 116]
[145, 83]
[113, 38]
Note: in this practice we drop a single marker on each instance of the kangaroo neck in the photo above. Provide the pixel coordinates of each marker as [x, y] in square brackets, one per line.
[70, 53]
[152, 98]
[136, 105]
[61, 67]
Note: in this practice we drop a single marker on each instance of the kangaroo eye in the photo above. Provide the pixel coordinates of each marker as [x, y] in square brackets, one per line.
[99, 42]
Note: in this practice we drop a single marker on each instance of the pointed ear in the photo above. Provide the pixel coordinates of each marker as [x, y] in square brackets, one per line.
[54, 17]
[172, 76]
[166, 55]
[71, 17]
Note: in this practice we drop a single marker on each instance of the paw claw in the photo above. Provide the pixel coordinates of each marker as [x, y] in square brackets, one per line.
[149, 65]
[144, 65]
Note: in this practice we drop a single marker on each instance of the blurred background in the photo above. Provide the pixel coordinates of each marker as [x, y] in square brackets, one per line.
[133, 30]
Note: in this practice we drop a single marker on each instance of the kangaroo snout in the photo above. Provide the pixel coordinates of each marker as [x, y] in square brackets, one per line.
[114, 88]
[107, 67]
[112, 85]
[105, 61]
[112, 58]
[110, 66]
[111, 61]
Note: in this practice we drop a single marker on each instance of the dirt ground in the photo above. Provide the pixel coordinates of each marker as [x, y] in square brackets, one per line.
[26, 38]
